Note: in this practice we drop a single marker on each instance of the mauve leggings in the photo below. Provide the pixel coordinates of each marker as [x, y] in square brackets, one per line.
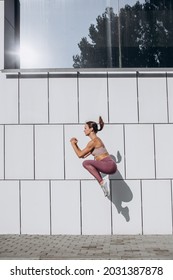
[107, 166]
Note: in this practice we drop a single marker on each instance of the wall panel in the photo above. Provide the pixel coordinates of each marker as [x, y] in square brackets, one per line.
[152, 100]
[8, 100]
[34, 100]
[19, 162]
[35, 207]
[63, 100]
[96, 209]
[49, 157]
[93, 99]
[1, 152]
[123, 100]
[164, 150]
[126, 207]
[139, 148]
[157, 208]
[170, 98]
[65, 207]
[9, 207]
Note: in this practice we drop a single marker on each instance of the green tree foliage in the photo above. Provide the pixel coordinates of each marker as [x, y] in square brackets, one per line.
[102, 48]
[145, 37]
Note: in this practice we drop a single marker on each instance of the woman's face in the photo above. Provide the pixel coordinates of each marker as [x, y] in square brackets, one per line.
[87, 130]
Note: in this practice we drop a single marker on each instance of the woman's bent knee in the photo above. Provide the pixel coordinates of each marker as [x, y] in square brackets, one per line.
[84, 163]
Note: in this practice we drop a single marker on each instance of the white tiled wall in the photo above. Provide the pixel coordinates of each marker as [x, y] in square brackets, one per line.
[164, 150]
[93, 98]
[44, 188]
[1, 152]
[157, 207]
[49, 155]
[36, 126]
[66, 207]
[170, 98]
[152, 100]
[126, 207]
[123, 99]
[33, 100]
[9, 100]
[139, 146]
[96, 209]
[9, 207]
[63, 101]
[35, 207]
[19, 162]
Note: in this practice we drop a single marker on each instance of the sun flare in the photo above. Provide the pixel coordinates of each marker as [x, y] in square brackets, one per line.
[28, 56]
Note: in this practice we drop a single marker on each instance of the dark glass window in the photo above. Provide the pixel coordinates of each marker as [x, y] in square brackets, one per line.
[146, 33]
[11, 34]
[93, 33]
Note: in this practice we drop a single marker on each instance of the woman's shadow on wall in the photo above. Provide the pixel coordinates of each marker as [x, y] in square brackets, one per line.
[120, 191]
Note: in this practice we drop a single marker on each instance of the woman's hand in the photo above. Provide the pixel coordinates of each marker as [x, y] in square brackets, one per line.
[82, 153]
[73, 140]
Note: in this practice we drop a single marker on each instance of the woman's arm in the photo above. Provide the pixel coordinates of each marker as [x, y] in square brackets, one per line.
[87, 155]
[82, 153]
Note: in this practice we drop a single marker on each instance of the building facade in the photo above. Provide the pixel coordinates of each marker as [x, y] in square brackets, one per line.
[43, 187]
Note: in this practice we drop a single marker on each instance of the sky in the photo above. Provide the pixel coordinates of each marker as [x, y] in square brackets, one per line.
[52, 29]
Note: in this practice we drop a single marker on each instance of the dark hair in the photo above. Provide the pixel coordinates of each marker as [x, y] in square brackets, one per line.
[94, 125]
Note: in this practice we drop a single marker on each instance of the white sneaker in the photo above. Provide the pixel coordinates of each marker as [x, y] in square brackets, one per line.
[105, 188]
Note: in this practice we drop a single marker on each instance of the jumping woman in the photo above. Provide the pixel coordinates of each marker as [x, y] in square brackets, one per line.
[102, 161]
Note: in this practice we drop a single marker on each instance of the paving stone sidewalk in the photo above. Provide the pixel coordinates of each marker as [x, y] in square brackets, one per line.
[83, 247]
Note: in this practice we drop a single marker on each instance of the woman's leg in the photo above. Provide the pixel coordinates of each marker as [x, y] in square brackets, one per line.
[106, 165]
[91, 167]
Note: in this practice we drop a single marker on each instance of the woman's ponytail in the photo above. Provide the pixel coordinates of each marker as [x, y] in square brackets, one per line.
[101, 123]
